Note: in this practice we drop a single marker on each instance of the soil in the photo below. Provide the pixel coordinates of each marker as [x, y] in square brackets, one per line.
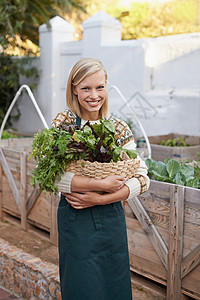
[29, 241]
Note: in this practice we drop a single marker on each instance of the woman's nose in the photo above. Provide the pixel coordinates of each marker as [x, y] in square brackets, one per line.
[93, 94]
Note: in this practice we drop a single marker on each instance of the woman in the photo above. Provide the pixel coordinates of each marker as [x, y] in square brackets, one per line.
[93, 251]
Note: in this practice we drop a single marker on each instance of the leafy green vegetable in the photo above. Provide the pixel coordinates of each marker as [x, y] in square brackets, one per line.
[172, 167]
[54, 148]
[174, 172]
[176, 142]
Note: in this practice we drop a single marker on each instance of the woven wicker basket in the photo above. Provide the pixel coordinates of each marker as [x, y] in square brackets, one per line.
[126, 168]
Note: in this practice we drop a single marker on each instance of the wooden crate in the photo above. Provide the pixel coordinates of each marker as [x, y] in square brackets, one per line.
[17, 197]
[163, 227]
[159, 152]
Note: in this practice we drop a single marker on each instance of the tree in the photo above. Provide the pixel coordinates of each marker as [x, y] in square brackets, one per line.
[151, 20]
[23, 17]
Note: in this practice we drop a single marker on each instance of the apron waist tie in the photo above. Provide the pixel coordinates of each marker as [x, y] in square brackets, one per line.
[96, 218]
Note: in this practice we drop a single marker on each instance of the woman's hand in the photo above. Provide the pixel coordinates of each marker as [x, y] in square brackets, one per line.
[112, 183]
[83, 200]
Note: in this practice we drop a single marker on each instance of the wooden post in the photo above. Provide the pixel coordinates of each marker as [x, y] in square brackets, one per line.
[23, 190]
[53, 219]
[176, 224]
[1, 199]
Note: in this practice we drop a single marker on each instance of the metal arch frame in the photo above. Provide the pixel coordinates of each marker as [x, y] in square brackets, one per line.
[135, 116]
[26, 87]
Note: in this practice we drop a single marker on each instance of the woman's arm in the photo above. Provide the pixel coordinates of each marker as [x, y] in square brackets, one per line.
[88, 199]
[110, 184]
[74, 183]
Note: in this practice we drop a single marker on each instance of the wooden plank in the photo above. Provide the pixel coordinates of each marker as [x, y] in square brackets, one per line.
[190, 261]
[41, 211]
[148, 268]
[53, 225]
[10, 178]
[159, 188]
[147, 275]
[32, 199]
[192, 195]
[140, 245]
[191, 281]
[8, 199]
[23, 190]
[192, 215]
[189, 294]
[150, 230]
[176, 223]
[16, 143]
[14, 165]
[157, 206]
[12, 154]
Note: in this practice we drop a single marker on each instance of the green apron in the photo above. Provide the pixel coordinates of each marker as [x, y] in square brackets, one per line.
[93, 253]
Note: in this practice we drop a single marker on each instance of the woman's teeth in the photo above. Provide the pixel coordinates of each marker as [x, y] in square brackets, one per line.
[93, 102]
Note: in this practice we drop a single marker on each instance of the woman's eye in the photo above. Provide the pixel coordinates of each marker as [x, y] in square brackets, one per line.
[100, 87]
[85, 88]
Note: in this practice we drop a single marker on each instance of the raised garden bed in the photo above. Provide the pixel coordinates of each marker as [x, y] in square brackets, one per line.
[160, 152]
[163, 228]
[17, 197]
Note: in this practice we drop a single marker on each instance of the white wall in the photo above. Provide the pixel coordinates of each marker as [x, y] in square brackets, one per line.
[165, 71]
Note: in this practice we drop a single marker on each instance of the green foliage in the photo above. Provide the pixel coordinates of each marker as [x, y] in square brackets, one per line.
[7, 135]
[151, 20]
[10, 70]
[176, 142]
[23, 17]
[54, 148]
[174, 172]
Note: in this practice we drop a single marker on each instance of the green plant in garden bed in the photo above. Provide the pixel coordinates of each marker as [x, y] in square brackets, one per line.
[7, 135]
[176, 142]
[54, 148]
[174, 172]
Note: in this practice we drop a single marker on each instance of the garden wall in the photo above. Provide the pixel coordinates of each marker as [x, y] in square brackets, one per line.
[26, 275]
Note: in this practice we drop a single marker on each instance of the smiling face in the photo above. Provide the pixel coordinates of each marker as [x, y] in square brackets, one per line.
[91, 93]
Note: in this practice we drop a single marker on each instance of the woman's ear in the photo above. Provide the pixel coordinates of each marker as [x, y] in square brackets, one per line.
[74, 90]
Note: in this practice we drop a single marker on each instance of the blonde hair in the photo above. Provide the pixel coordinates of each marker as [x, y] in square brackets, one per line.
[82, 69]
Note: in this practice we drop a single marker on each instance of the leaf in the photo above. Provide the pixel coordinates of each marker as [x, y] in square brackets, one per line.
[195, 183]
[91, 141]
[172, 167]
[187, 171]
[160, 171]
[131, 153]
[179, 179]
[87, 130]
[116, 154]
[109, 125]
[75, 137]
[150, 163]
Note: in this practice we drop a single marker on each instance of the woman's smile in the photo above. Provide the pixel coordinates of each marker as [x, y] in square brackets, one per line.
[93, 103]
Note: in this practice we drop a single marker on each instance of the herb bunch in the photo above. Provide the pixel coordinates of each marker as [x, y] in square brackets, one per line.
[55, 148]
